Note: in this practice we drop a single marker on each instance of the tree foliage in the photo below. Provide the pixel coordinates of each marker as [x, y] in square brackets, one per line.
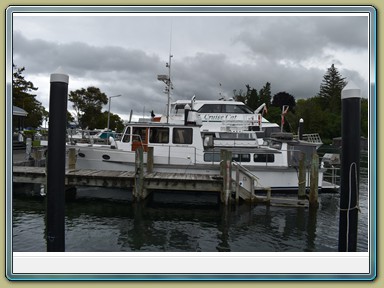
[88, 104]
[239, 96]
[254, 98]
[330, 89]
[23, 97]
[321, 113]
[115, 122]
[265, 95]
[283, 98]
[251, 97]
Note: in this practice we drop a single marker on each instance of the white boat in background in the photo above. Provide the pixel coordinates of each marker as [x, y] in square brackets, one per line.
[189, 139]
[222, 115]
[179, 148]
[229, 115]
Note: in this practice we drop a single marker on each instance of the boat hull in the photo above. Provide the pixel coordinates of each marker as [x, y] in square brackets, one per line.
[276, 178]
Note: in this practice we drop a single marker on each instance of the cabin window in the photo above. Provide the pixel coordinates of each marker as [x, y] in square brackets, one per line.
[276, 145]
[159, 135]
[182, 136]
[263, 158]
[237, 109]
[241, 157]
[127, 135]
[211, 157]
[210, 108]
[138, 134]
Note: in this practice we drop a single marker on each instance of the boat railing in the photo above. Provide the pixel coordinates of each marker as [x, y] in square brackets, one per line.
[86, 136]
[236, 125]
[311, 138]
[332, 175]
[246, 182]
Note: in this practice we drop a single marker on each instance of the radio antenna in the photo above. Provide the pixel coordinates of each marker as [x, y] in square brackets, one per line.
[167, 78]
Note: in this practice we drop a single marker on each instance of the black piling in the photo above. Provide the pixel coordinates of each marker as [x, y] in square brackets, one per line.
[301, 128]
[350, 168]
[56, 163]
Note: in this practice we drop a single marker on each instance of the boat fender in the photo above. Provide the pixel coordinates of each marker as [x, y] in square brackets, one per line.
[112, 142]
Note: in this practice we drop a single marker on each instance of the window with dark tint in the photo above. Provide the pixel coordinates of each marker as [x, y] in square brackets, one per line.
[138, 134]
[182, 136]
[159, 135]
[264, 158]
[211, 157]
[210, 108]
[237, 109]
[241, 157]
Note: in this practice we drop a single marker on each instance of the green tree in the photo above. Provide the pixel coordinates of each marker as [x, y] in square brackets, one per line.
[115, 122]
[265, 95]
[23, 97]
[330, 90]
[251, 97]
[283, 98]
[239, 95]
[88, 104]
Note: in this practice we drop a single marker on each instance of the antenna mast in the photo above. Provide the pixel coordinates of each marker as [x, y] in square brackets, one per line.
[167, 78]
[170, 86]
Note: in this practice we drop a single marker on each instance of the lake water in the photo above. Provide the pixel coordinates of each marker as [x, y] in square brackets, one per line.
[185, 222]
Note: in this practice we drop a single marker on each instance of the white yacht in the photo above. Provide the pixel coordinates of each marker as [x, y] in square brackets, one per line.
[185, 148]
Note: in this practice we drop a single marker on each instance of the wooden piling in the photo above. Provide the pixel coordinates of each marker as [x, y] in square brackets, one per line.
[139, 174]
[37, 156]
[72, 157]
[302, 178]
[150, 160]
[237, 184]
[314, 183]
[226, 170]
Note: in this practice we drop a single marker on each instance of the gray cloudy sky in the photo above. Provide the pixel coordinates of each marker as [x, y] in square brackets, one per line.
[124, 53]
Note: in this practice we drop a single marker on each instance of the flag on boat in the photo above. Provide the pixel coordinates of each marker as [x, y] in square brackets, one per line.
[284, 111]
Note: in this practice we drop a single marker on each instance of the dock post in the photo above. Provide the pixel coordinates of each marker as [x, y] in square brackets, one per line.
[28, 149]
[150, 160]
[139, 174]
[37, 156]
[301, 128]
[71, 158]
[237, 184]
[302, 178]
[226, 168]
[314, 183]
[56, 162]
[350, 167]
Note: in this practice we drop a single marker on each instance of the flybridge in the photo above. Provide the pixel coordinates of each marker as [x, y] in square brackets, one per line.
[217, 115]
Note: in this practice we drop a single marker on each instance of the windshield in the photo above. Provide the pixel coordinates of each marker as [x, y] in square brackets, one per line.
[225, 108]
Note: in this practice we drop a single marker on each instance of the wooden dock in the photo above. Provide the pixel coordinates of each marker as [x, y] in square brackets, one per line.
[123, 179]
[142, 182]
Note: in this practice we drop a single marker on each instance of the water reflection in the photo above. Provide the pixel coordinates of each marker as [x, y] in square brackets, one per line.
[184, 223]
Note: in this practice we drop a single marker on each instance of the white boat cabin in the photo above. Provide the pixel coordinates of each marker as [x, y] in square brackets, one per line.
[189, 144]
[221, 115]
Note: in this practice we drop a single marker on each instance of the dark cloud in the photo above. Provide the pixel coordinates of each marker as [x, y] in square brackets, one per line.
[302, 38]
[79, 58]
[292, 53]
